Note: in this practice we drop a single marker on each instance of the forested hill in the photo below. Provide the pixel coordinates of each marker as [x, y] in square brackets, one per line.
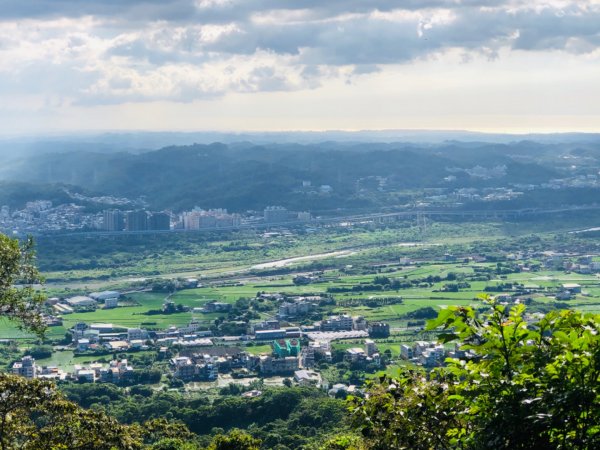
[245, 176]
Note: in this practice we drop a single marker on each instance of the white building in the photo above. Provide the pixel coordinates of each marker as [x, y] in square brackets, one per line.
[85, 375]
[370, 347]
[105, 295]
[81, 301]
[337, 323]
[214, 218]
[83, 345]
[136, 334]
[112, 302]
[26, 367]
[296, 308]
[307, 378]
[354, 354]
[406, 352]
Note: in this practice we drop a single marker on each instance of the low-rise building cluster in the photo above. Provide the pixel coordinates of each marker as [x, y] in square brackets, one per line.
[432, 354]
[362, 357]
[42, 216]
[279, 214]
[198, 219]
[82, 303]
[117, 371]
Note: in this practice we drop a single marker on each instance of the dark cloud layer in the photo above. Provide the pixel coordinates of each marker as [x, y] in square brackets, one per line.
[363, 38]
[182, 49]
[213, 10]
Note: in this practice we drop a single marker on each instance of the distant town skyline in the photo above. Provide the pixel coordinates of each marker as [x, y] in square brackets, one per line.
[500, 66]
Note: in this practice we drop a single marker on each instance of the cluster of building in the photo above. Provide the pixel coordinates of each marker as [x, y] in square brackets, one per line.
[361, 358]
[347, 323]
[307, 188]
[578, 181]
[200, 360]
[116, 371]
[334, 327]
[568, 291]
[298, 307]
[42, 216]
[279, 214]
[585, 264]
[432, 354]
[106, 299]
[456, 198]
[139, 220]
[186, 336]
[449, 197]
[214, 307]
[200, 367]
[198, 219]
[288, 357]
[205, 365]
[100, 337]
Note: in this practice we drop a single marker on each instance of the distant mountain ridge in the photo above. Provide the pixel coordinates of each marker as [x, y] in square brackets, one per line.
[141, 141]
[245, 176]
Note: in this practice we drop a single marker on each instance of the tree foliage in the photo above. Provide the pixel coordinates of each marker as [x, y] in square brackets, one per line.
[235, 440]
[526, 383]
[343, 441]
[19, 300]
[34, 415]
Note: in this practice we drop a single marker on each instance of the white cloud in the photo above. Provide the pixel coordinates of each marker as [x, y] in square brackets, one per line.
[108, 52]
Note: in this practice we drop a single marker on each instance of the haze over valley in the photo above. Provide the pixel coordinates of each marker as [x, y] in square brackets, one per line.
[266, 225]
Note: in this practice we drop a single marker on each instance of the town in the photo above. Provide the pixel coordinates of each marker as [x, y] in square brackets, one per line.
[134, 216]
[41, 216]
[227, 342]
[196, 354]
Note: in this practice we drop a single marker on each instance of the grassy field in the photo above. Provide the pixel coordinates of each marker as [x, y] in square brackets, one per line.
[8, 330]
[66, 360]
[88, 264]
[413, 298]
[259, 349]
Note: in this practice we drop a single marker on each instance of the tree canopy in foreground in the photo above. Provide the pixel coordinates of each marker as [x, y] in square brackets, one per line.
[35, 415]
[19, 300]
[532, 382]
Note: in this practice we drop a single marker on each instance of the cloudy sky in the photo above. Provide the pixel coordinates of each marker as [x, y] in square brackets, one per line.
[496, 65]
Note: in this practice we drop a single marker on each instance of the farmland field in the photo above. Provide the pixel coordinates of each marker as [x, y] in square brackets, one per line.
[227, 276]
